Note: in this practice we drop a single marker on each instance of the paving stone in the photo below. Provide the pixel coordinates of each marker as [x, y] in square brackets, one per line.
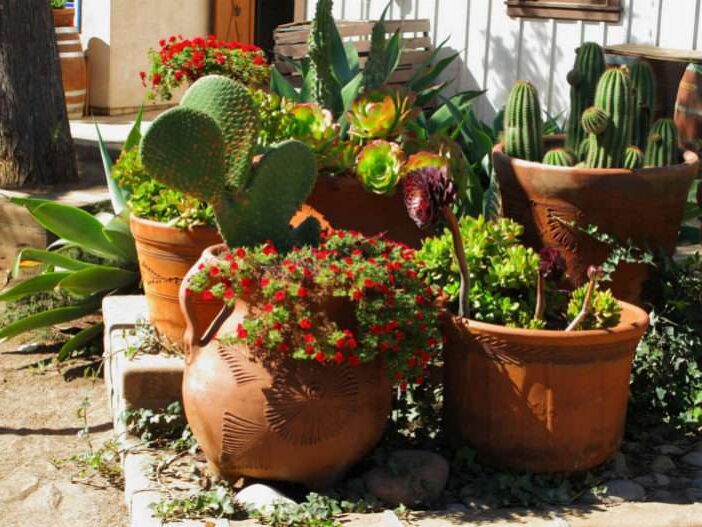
[662, 465]
[620, 490]
[456, 507]
[693, 458]
[661, 495]
[670, 450]
[259, 496]
[390, 519]
[653, 480]
[18, 487]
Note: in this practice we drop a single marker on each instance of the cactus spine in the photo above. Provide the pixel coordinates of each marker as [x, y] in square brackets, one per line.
[633, 158]
[204, 148]
[662, 146]
[325, 88]
[609, 122]
[644, 86]
[559, 157]
[589, 66]
[523, 132]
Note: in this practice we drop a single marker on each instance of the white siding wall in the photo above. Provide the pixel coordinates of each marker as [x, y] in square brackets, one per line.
[496, 50]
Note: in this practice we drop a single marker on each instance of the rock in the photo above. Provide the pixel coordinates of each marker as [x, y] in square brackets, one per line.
[259, 496]
[694, 494]
[696, 483]
[670, 450]
[662, 465]
[632, 446]
[680, 483]
[620, 490]
[410, 478]
[456, 507]
[17, 487]
[653, 480]
[661, 495]
[621, 468]
[54, 497]
[693, 458]
[476, 504]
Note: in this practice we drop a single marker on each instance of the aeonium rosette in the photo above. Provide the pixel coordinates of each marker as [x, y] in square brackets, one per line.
[350, 300]
[180, 60]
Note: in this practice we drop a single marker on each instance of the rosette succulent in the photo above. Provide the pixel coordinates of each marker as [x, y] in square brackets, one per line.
[427, 191]
[311, 124]
[378, 166]
[424, 159]
[381, 114]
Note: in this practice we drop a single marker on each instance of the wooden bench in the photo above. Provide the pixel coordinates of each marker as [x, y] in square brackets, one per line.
[291, 42]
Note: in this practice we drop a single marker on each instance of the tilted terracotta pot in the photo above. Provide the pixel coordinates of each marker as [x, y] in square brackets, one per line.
[645, 206]
[165, 255]
[341, 202]
[275, 417]
[63, 17]
[688, 108]
[539, 400]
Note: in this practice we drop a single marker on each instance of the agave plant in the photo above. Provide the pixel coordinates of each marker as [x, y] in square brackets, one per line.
[378, 166]
[381, 114]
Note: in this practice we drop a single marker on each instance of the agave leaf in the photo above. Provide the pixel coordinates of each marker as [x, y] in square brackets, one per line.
[50, 318]
[118, 232]
[48, 257]
[36, 284]
[96, 279]
[393, 52]
[134, 136]
[118, 196]
[427, 76]
[451, 112]
[339, 60]
[352, 58]
[492, 203]
[281, 86]
[79, 340]
[351, 90]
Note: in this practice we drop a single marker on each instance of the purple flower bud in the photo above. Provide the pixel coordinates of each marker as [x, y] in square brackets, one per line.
[552, 265]
[426, 192]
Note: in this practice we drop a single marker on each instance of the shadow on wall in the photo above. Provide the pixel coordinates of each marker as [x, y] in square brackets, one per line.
[98, 54]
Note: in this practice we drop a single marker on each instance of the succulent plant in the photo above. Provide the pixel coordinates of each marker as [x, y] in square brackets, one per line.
[644, 85]
[662, 145]
[424, 159]
[204, 148]
[633, 158]
[523, 127]
[376, 66]
[589, 66]
[380, 114]
[609, 122]
[378, 166]
[559, 157]
[426, 192]
[311, 124]
[325, 87]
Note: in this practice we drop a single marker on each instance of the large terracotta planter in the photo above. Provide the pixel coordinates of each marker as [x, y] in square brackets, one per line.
[645, 206]
[63, 17]
[166, 254]
[74, 73]
[341, 202]
[688, 108]
[275, 417]
[538, 400]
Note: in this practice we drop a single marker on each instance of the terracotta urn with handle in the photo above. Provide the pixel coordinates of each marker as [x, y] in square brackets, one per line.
[275, 417]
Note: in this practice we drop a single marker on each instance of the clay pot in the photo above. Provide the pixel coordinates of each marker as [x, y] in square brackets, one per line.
[274, 417]
[688, 108]
[341, 202]
[63, 17]
[645, 206]
[165, 255]
[539, 400]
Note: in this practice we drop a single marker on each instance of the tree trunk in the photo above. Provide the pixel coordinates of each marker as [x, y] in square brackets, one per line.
[36, 147]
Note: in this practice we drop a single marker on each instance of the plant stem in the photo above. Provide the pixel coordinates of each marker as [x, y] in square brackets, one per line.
[463, 305]
[540, 298]
[587, 306]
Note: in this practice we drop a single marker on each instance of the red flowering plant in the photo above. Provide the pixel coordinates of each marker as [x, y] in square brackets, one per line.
[297, 302]
[180, 60]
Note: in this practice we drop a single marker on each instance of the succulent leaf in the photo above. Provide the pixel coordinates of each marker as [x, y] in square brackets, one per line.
[426, 192]
[381, 114]
[378, 166]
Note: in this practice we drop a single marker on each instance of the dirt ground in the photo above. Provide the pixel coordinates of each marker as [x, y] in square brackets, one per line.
[39, 424]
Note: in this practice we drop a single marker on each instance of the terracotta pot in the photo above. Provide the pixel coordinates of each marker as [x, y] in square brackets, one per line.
[63, 17]
[73, 69]
[166, 254]
[275, 417]
[645, 206]
[688, 108]
[341, 202]
[538, 400]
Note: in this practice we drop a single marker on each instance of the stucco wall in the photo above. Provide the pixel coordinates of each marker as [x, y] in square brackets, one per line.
[117, 35]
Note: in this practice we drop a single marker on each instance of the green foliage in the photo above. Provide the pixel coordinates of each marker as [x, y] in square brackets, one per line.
[217, 502]
[523, 135]
[633, 158]
[57, 4]
[662, 145]
[379, 165]
[204, 148]
[589, 66]
[374, 75]
[316, 511]
[559, 157]
[325, 87]
[609, 122]
[666, 384]
[643, 83]
[606, 310]
[164, 428]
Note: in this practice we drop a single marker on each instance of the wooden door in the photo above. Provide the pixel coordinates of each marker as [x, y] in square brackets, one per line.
[234, 20]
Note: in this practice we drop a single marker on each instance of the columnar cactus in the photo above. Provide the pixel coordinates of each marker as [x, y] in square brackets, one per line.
[204, 148]
[523, 127]
[609, 122]
[374, 72]
[325, 88]
[559, 157]
[633, 158]
[644, 85]
[589, 66]
[662, 146]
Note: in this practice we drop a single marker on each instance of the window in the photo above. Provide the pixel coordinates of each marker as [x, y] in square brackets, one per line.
[591, 10]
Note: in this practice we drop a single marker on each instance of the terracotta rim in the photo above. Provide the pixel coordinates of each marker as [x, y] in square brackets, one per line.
[690, 158]
[165, 226]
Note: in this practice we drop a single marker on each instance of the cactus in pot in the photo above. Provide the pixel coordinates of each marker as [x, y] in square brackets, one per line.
[662, 145]
[559, 157]
[644, 86]
[204, 148]
[633, 158]
[523, 127]
[589, 66]
[325, 87]
[609, 122]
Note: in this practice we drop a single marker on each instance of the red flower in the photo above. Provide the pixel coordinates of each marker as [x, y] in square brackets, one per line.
[156, 79]
[246, 281]
[353, 360]
[305, 323]
[162, 42]
[259, 342]
[301, 292]
[269, 249]
[340, 343]
[283, 347]
[234, 266]
[412, 362]
[338, 357]
[319, 357]
[265, 282]
[268, 308]
[207, 295]
[309, 349]
[259, 60]
[214, 271]
[357, 295]
[419, 380]
[240, 253]
[229, 294]
[279, 296]
[309, 338]
[241, 332]
[178, 75]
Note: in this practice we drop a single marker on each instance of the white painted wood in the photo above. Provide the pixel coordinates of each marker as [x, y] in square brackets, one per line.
[495, 49]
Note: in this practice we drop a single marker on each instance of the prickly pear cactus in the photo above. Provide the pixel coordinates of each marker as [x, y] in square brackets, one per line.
[644, 85]
[633, 158]
[204, 147]
[662, 145]
[523, 127]
[324, 86]
[589, 66]
[559, 157]
[609, 122]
